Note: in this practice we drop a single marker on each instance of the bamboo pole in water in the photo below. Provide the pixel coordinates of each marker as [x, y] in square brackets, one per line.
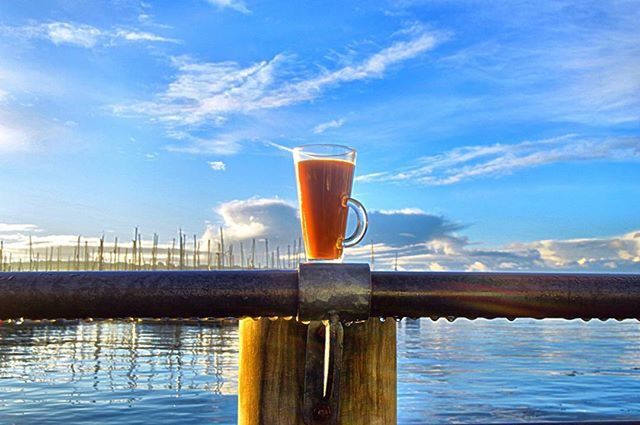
[221, 248]
[196, 252]
[253, 253]
[271, 373]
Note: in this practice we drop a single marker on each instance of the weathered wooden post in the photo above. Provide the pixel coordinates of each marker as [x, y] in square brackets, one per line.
[283, 362]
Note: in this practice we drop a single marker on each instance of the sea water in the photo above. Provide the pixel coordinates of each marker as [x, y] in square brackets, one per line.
[164, 372]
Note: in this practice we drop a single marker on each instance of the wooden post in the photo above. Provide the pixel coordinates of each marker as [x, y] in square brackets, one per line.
[271, 375]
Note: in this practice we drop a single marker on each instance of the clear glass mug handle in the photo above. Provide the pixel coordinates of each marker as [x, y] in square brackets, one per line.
[362, 222]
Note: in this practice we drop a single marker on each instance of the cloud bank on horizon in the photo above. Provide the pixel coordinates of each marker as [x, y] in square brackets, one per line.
[422, 241]
[408, 239]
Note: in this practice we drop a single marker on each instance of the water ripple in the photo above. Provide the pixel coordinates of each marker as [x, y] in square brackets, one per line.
[185, 372]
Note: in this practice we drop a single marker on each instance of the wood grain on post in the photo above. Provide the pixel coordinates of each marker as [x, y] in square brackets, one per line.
[271, 375]
[368, 379]
[271, 371]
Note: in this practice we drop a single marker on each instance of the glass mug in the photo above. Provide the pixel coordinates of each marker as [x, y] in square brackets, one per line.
[325, 176]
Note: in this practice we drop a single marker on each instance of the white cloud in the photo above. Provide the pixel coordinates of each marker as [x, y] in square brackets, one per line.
[130, 35]
[19, 84]
[257, 218]
[81, 35]
[18, 238]
[322, 127]
[18, 227]
[237, 5]
[17, 246]
[24, 133]
[278, 220]
[470, 162]
[67, 33]
[373, 177]
[435, 267]
[217, 165]
[373, 67]
[617, 253]
[423, 241]
[203, 96]
[558, 61]
[477, 266]
[404, 211]
[203, 93]
[588, 253]
[410, 226]
[434, 246]
[225, 144]
[13, 139]
[145, 18]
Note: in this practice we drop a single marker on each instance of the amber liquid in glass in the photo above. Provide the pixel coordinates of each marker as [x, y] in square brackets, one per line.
[324, 185]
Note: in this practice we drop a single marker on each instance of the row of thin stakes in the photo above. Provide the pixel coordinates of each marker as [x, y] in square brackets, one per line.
[139, 254]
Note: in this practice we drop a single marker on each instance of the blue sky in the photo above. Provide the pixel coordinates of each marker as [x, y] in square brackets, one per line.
[510, 122]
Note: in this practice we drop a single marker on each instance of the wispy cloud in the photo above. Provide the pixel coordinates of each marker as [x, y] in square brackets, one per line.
[132, 35]
[470, 162]
[19, 243]
[322, 127]
[217, 165]
[81, 35]
[26, 132]
[13, 139]
[18, 228]
[67, 33]
[558, 61]
[224, 144]
[206, 92]
[237, 5]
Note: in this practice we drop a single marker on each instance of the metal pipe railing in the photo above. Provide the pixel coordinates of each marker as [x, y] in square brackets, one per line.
[510, 295]
[39, 295]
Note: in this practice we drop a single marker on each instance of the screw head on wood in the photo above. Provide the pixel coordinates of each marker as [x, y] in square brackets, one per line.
[322, 411]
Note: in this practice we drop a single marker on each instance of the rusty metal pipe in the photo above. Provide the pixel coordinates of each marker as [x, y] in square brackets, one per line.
[38, 295]
[510, 295]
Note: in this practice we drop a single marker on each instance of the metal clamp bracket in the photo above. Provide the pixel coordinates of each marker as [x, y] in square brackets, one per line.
[328, 293]
[332, 289]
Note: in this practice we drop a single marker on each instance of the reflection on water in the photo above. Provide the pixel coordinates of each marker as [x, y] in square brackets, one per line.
[127, 372]
[527, 370]
[185, 372]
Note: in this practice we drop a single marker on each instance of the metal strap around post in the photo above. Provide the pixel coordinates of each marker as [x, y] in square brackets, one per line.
[328, 293]
[327, 289]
